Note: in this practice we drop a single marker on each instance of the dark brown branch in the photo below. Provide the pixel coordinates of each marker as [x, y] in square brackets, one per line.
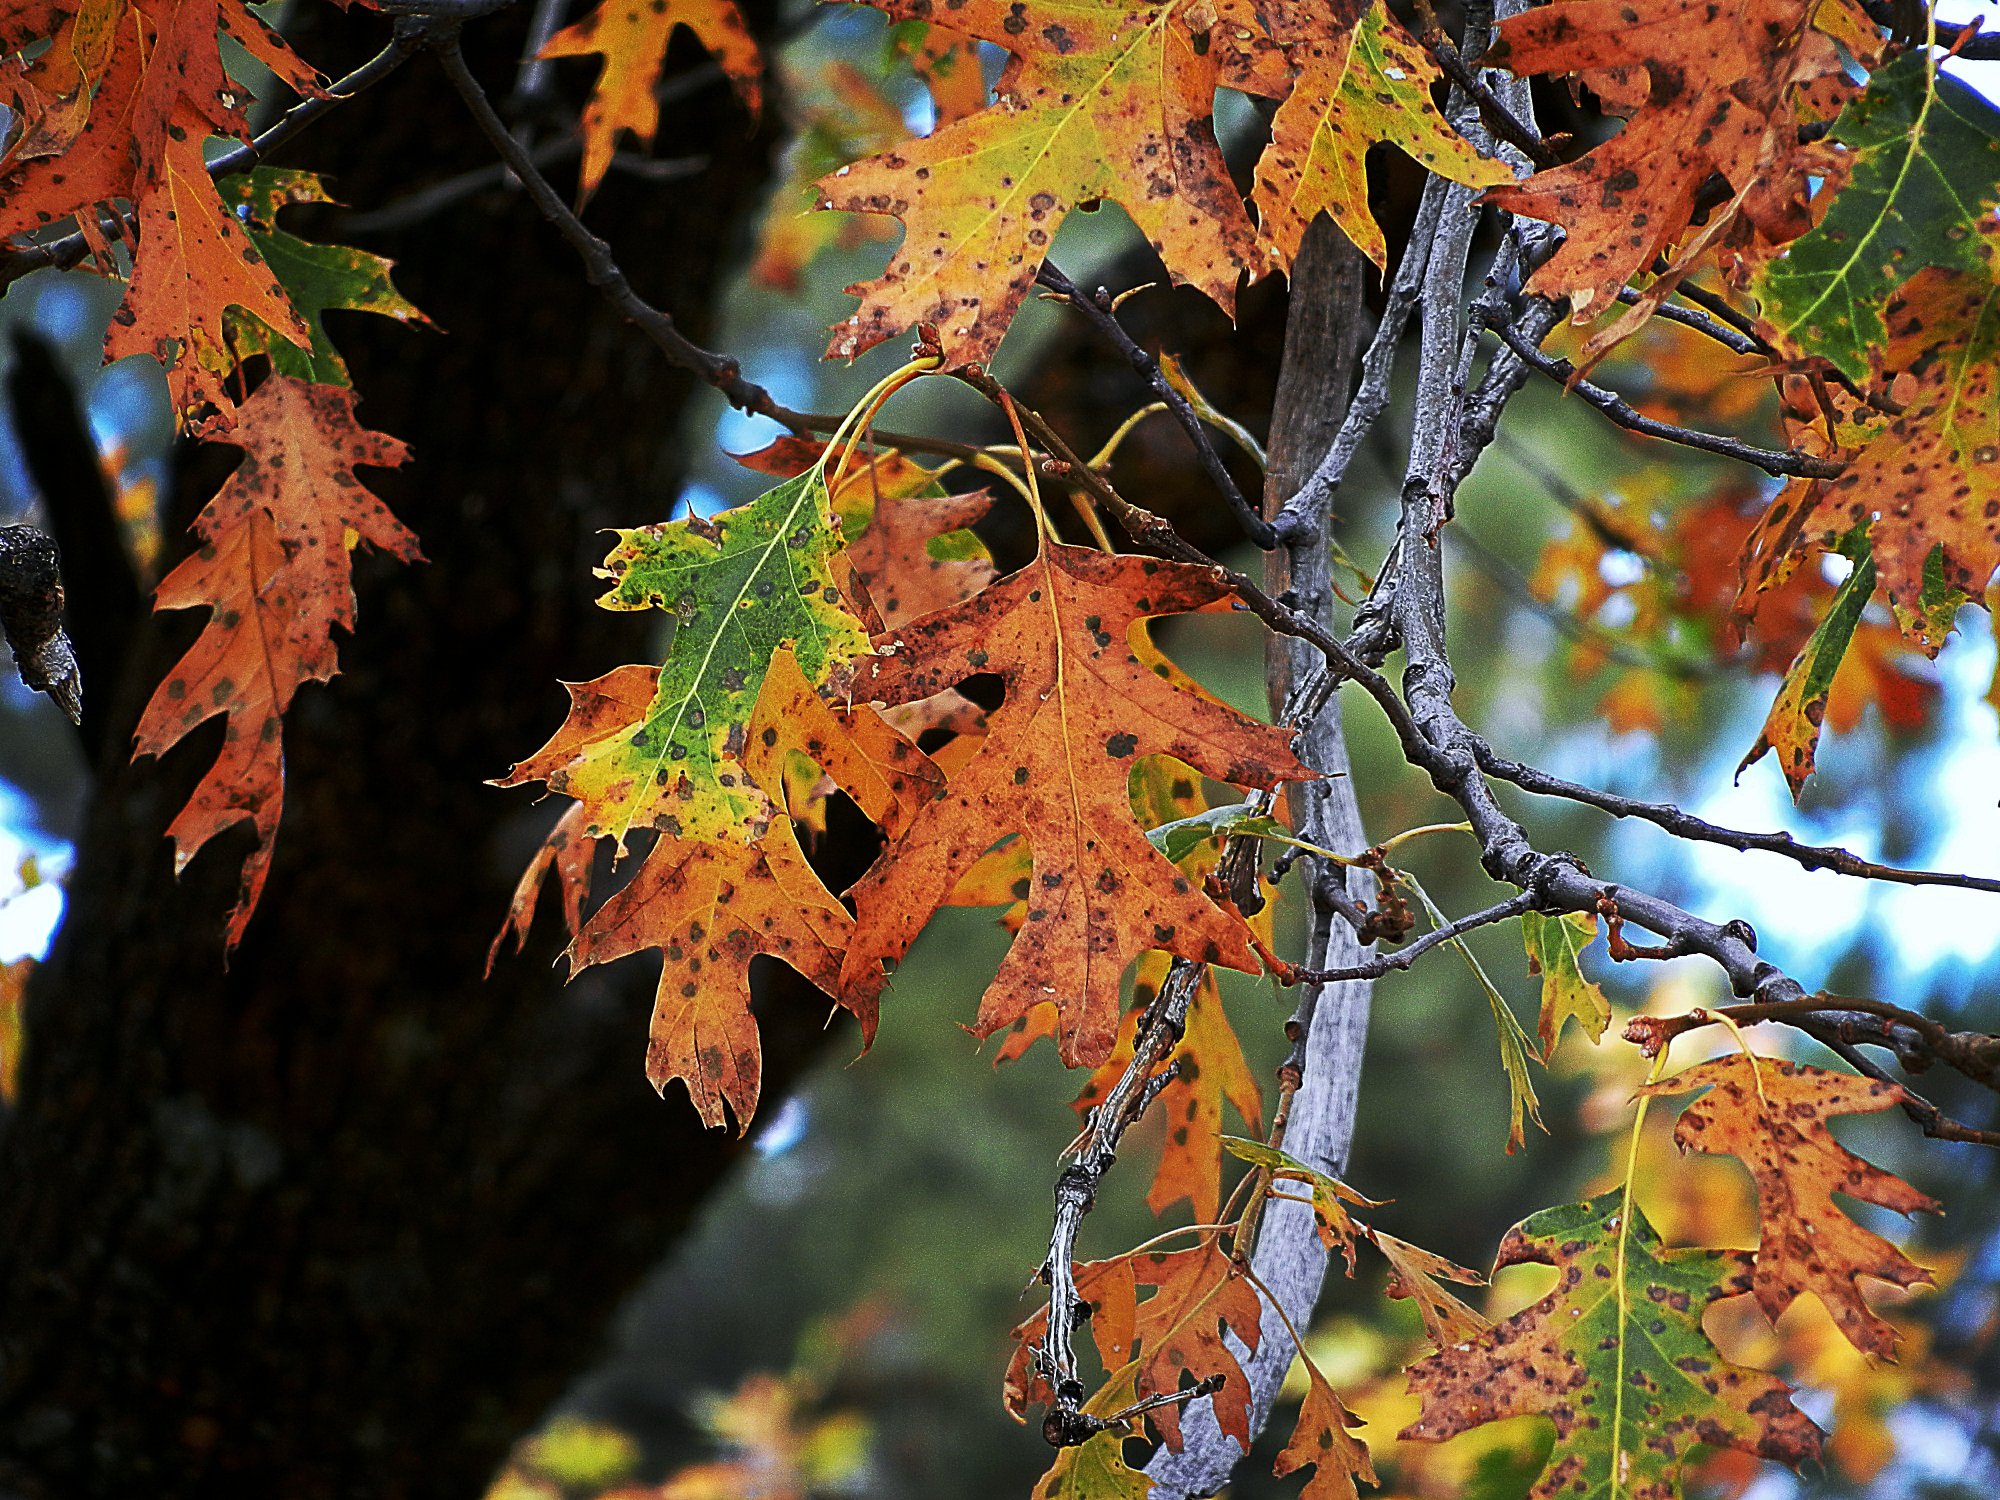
[1098, 313]
[1772, 461]
[1730, 337]
[602, 269]
[1687, 826]
[1403, 958]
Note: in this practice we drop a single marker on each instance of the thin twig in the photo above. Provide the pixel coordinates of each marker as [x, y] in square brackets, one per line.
[1687, 826]
[1402, 958]
[1097, 311]
[1772, 461]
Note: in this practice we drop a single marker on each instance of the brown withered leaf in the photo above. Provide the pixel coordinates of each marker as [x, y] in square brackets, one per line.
[1323, 1437]
[1079, 709]
[1772, 1116]
[1415, 1273]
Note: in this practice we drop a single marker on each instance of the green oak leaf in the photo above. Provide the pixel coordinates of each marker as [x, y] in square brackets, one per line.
[1792, 726]
[739, 586]
[1555, 947]
[1926, 175]
[1616, 1357]
[317, 278]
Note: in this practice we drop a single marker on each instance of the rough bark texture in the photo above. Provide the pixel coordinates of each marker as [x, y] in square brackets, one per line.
[342, 1219]
[1322, 343]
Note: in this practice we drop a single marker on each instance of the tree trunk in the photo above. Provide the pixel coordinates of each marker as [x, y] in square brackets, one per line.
[342, 1218]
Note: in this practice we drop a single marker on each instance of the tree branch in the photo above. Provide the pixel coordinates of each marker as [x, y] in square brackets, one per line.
[1687, 826]
[1097, 312]
[1779, 462]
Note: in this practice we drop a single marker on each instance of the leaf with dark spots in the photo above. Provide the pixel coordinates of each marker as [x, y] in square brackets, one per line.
[710, 908]
[1772, 1116]
[1041, 771]
[742, 585]
[276, 573]
[1616, 1357]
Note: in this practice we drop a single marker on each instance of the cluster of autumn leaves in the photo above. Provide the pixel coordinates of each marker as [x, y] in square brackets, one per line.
[825, 629]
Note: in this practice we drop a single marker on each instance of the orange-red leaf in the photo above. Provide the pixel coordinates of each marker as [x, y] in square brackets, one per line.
[632, 36]
[194, 260]
[1773, 1117]
[710, 908]
[570, 852]
[1080, 708]
[1718, 102]
[275, 570]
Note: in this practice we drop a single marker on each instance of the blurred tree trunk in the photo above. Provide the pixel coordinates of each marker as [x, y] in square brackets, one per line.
[343, 1218]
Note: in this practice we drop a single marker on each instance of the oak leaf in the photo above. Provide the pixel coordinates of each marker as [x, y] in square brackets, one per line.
[1616, 1358]
[317, 279]
[1707, 86]
[1555, 947]
[1416, 1273]
[275, 571]
[1923, 176]
[1198, 1293]
[1323, 1438]
[571, 854]
[710, 907]
[1101, 102]
[1359, 81]
[739, 586]
[1772, 1116]
[1079, 710]
[631, 36]
[1930, 482]
[195, 261]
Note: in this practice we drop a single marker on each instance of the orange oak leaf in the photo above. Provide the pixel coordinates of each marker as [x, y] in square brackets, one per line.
[1199, 1292]
[571, 853]
[1323, 1437]
[710, 908]
[1358, 79]
[631, 36]
[585, 758]
[886, 775]
[1707, 87]
[1772, 1116]
[194, 261]
[1079, 709]
[1106, 101]
[275, 570]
